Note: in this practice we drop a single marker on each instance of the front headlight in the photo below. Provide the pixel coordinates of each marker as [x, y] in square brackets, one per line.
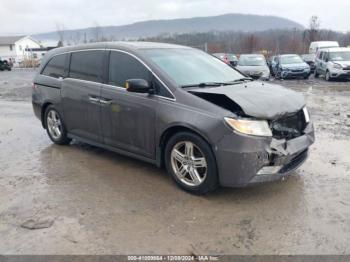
[337, 66]
[250, 127]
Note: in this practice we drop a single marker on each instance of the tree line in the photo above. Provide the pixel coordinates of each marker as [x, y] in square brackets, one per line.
[270, 42]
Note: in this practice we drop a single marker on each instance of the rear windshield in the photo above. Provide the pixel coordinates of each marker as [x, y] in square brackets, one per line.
[339, 56]
[191, 66]
[251, 61]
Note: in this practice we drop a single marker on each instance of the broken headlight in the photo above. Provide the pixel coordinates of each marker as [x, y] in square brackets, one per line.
[250, 127]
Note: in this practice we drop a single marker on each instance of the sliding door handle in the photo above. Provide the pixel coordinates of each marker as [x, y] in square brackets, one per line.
[105, 102]
[94, 99]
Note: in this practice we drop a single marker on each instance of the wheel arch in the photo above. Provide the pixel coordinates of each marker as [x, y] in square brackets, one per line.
[43, 110]
[171, 131]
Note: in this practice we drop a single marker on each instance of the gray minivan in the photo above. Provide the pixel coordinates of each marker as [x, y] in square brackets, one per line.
[174, 106]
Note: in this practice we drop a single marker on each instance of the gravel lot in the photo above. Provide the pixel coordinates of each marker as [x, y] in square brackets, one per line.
[91, 201]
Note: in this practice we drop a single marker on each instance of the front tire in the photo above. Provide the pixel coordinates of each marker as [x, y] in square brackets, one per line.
[191, 163]
[55, 127]
[328, 76]
[316, 74]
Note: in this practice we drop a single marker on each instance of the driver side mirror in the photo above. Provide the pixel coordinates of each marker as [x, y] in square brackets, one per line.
[139, 86]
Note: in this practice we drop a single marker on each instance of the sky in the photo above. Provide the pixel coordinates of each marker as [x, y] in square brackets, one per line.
[38, 16]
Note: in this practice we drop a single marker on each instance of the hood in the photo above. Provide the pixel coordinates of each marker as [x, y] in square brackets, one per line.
[293, 66]
[252, 68]
[255, 99]
[342, 63]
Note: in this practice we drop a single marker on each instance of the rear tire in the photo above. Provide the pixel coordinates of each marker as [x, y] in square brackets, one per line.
[55, 127]
[191, 163]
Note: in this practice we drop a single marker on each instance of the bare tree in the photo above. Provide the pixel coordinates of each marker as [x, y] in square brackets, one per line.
[60, 29]
[76, 38]
[85, 39]
[250, 43]
[97, 33]
[315, 24]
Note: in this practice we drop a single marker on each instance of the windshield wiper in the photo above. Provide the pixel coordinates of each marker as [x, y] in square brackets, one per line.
[206, 84]
[214, 84]
[243, 79]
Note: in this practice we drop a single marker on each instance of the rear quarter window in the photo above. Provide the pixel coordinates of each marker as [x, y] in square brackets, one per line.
[56, 66]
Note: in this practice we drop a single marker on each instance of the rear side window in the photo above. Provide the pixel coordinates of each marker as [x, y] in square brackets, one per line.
[87, 65]
[56, 66]
[123, 67]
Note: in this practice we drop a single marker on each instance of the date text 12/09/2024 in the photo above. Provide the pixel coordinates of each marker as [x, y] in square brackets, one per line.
[172, 258]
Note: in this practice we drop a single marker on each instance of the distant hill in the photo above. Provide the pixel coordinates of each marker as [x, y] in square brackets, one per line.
[228, 22]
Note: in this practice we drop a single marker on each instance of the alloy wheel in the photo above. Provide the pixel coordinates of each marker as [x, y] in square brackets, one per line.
[189, 163]
[54, 124]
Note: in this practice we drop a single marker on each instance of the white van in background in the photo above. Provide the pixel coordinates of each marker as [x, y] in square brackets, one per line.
[314, 46]
[333, 63]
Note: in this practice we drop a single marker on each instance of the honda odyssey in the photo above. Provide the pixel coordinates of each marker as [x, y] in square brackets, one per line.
[174, 106]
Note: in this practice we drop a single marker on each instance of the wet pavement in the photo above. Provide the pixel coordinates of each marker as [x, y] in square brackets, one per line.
[92, 201]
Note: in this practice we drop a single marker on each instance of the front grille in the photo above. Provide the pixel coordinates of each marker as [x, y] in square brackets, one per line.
[297, 70]
[347, 68]
[289, 127]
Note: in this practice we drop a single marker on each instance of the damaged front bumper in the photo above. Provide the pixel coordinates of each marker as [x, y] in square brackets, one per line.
[291, 73]
[244, 160]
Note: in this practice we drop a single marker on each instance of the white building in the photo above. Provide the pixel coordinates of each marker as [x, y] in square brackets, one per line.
[39, 53]
[17, 47]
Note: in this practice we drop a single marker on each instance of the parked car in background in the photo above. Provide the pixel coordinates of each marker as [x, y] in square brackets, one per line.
[333, 63]
[271, 62]
[315, 46]
[4, 65]
[291, 66]
[310, 60]
[229, 59]
[254, 65]
[175, 106]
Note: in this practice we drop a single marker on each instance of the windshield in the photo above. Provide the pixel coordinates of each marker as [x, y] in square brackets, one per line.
[339, 56]
[191, 66]
[251, 61]
[291, 60]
